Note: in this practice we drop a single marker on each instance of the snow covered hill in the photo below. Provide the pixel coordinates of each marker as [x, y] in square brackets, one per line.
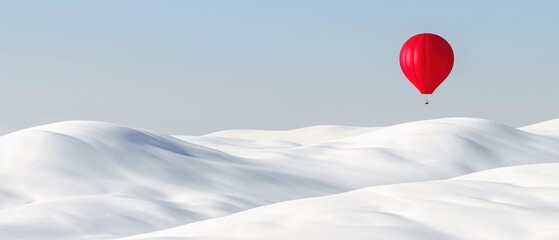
[303, 136]
[517, 202]
[547, 125]
[550, 128]
[93, 180]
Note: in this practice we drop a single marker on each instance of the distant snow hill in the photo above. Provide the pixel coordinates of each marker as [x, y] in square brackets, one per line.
[455, 178]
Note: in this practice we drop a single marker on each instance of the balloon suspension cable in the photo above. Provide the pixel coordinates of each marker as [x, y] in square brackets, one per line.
[426, 99]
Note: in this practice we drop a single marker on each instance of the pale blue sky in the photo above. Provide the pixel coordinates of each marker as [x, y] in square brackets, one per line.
[193, 67]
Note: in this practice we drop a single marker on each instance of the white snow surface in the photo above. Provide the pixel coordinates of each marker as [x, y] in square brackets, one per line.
[454, 178]
[550, 127]
[303, 136]
[547, 125]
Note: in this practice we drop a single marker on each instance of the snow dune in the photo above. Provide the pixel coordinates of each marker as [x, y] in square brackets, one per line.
[93, 180]
[547, 125]
[484, 205]
[550, 128]
[303, 136]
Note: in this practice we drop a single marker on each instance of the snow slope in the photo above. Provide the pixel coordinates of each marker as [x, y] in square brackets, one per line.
[547, 125]
[517, 202]
[303, 136]
[550, 128]
[92, 180]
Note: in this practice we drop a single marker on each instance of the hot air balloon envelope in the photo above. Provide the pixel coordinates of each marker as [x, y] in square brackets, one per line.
[426, 59]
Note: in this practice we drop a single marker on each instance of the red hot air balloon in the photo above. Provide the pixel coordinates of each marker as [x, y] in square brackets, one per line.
[426, 59]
